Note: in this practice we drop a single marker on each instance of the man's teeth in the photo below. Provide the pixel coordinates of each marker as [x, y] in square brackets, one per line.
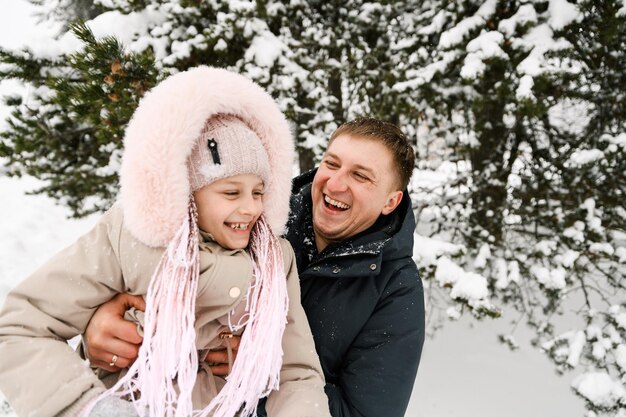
[239, 226]
[336, 203]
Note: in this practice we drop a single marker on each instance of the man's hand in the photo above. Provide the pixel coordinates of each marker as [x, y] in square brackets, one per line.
[111, 339]
[221, 357]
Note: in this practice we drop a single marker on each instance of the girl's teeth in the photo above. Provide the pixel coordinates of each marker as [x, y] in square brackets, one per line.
[239, 226]
[336, 203]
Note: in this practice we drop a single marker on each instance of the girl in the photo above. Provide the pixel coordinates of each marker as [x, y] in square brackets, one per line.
[205, 182]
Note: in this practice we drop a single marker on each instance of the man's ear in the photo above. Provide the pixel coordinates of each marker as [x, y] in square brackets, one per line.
[393, 199]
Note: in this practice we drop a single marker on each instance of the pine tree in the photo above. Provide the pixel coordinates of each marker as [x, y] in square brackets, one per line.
[70, 131]
[324, 63]
[525, 101]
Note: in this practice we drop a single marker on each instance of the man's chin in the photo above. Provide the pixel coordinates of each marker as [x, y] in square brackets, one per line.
[329, 232]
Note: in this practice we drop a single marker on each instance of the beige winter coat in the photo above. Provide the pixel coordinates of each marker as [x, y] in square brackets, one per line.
[42, 376]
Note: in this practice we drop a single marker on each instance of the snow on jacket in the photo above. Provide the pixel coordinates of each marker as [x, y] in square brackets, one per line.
[39, 373]
[365, 303]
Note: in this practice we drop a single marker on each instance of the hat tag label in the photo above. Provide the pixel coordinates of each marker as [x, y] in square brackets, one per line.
[212, 145]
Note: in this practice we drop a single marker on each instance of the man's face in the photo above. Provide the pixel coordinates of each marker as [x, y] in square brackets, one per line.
[355, 183]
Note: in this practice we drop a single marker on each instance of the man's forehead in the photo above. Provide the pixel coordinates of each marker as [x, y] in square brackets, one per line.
[368, 154]
[356, 162]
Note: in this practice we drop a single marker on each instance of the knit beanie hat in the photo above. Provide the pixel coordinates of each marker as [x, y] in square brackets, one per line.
[226, 147]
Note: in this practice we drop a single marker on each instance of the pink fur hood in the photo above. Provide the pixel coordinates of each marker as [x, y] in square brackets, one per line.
[160, 136]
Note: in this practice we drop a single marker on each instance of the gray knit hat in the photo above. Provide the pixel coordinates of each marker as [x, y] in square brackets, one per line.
[226, 147]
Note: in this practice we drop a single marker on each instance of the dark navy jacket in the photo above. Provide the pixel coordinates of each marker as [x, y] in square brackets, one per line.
[365, 304]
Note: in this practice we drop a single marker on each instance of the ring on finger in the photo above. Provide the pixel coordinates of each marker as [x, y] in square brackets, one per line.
[113, 360]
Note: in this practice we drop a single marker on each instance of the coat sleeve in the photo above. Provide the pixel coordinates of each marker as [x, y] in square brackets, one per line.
[301, 391]
[40, 374]
[380, 367]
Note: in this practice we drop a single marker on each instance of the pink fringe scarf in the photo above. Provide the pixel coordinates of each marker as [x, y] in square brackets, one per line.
[161, 381]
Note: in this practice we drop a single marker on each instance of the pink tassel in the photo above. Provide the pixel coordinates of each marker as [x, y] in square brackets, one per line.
[256, 372]
[165, 371]
[161, 381]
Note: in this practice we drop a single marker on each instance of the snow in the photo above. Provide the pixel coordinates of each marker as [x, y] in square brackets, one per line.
[621, 254]
[126, 27]
[552, 279]
[546, 247]
[455, 35]
[453, 313]
[468, 286]
[585, 156]
[485, 46]
[568, 258]
[525, 88]
[570, 115]
[619, 140]
[600, 248]
[576, 348]
[600, 388]
[562, 13]
[512, 275]
[540, 40]
[38, 228]
[620, 318]
[620, 356]
[525, 14]
[575, 232]
[423, 75]
[265, 50]
[436, 24]
[501, 273]
[427, 250]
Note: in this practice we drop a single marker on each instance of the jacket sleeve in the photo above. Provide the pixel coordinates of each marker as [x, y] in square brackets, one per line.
[301, 391]
[40, 374]
[380, 367]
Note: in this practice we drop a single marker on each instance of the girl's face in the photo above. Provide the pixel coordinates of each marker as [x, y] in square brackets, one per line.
[228, 209]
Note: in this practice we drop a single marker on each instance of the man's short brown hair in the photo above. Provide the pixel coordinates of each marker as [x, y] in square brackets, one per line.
[389, 135]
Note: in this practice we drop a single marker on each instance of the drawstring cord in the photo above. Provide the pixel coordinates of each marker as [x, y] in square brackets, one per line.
[227, 336]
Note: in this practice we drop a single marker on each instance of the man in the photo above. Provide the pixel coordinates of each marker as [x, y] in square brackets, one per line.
[351, 227]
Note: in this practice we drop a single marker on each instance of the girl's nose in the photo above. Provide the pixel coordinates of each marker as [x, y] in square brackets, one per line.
[248, 206]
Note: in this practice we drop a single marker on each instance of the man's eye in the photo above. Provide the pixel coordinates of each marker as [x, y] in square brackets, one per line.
[331, 164]
[361, 177]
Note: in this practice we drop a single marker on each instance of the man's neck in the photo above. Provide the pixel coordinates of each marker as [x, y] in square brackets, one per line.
[320, 242]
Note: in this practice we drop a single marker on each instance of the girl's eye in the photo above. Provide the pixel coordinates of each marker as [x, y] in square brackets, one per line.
[231, 193]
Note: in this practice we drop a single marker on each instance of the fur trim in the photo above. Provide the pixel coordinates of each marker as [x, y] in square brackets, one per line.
[161, 134]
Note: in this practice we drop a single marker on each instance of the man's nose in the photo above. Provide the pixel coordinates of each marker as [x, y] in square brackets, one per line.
[337, 182]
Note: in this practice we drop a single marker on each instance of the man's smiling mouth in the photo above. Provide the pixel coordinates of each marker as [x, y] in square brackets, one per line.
[335, 204]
